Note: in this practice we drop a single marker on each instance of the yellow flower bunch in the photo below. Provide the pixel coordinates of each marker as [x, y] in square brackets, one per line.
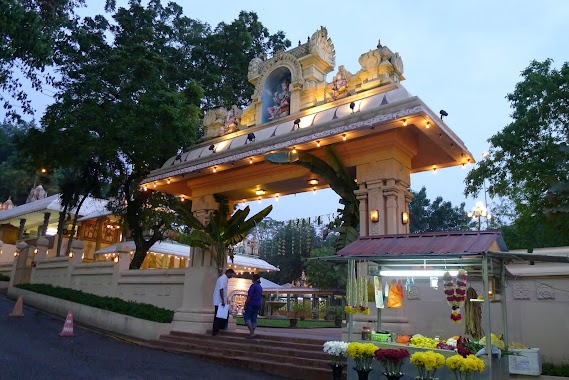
[469, 364]
[423, 341]
[358, 350]
[494, 341]
[428, 360]
[362, 353]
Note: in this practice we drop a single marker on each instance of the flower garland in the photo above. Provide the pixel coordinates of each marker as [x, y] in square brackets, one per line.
[455, 294]
[356, 291]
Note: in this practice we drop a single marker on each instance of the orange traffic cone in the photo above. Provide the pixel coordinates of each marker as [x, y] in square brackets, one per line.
[68, 326]
[18, 308]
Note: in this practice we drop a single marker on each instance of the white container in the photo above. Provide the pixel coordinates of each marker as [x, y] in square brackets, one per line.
[527, 362]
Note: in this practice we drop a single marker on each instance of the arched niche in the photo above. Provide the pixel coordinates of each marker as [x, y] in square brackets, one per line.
[276, 94]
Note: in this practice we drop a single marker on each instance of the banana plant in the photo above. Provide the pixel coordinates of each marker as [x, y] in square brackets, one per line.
[333, 171]
[222, 231]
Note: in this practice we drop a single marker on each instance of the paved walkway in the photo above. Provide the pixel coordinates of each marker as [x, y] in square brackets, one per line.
[31, 348]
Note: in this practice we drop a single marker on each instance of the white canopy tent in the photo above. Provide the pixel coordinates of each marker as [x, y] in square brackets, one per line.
[240, 262]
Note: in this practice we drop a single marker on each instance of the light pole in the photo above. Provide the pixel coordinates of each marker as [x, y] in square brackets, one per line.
[479, 211]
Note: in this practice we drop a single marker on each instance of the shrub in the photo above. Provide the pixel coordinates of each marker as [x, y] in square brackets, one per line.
[117, 305]
[4, 277]
[550, 369]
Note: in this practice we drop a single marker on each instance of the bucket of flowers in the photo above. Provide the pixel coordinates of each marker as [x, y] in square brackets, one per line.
[363, 354]
[392, 359]
[427, 363]
[337, 352]
[464, 367]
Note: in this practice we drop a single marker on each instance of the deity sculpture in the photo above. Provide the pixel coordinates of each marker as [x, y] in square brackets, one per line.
[281, 102]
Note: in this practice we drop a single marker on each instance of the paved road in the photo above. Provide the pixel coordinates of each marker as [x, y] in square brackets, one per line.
[30, 349]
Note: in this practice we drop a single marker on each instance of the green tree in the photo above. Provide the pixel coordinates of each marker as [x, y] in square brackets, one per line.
[324, 275]
[528, 162]
[29, 31]
[125, 104]
[527, 156]
[439, 215]
[222, 58]
[222, 231]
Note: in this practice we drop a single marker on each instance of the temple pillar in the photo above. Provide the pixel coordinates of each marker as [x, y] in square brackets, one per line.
[384, 190]
[21, 229]
[43, 231]
[196, 313]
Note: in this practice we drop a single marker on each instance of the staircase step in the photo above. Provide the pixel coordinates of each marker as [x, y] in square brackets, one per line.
[248, 345]
[280, 338]
[290, 357]
[288, 370]
[261, 340]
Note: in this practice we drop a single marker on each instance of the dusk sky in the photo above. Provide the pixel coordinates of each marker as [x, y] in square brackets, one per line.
[463, 57]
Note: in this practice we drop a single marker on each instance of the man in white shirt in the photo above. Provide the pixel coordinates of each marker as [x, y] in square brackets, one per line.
[220, 298]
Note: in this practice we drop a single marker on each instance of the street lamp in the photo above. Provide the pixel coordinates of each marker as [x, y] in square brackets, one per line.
[479, 211]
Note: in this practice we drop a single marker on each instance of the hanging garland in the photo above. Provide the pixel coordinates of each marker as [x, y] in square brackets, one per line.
[455, 293]
[356, 290]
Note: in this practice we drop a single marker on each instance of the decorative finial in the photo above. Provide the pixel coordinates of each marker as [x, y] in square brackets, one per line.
[379, 45]
[299, 43]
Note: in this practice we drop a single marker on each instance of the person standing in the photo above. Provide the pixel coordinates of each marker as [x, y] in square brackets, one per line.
[253, 305]
[220, 298]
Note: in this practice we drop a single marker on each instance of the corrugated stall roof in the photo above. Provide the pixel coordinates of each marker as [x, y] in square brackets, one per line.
[435, 243]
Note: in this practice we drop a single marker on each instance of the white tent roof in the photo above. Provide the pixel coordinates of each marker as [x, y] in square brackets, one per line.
[268, 284]
[33, 212]
[170, 248]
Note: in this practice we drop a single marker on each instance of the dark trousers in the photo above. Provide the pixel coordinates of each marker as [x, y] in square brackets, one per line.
[218, 323]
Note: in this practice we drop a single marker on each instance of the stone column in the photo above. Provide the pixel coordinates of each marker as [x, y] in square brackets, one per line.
[196, 313]
[361, 195]
[21, 229]
[46, 216]
[386, 190]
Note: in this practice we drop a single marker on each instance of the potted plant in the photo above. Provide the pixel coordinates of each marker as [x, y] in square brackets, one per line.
[427, 363]
[464, 367]
[392, 359]
[337, 314]
[296, 308]
[337, 352]
[363, 354]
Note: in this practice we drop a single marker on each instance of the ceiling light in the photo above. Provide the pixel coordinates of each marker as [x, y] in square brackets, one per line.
[318, 143]
[293, 149]
[313, 181]
[168, 181]
[404, 122]
[215, 169]
[428, 125]
[416, 273]
[344, 137]
[251, 160]
[260, 192]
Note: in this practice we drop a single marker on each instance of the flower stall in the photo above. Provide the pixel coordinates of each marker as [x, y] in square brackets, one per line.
[393, 262]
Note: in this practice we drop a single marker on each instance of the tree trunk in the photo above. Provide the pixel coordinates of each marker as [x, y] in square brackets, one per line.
[60, 230]
[75, 217]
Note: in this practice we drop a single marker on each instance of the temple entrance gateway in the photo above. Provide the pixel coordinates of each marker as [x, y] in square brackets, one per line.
[381, 133]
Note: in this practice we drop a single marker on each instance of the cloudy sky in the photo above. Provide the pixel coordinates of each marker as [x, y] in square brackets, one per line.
[463, 57]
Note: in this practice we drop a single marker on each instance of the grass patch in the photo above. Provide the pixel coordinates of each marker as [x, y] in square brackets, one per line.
[4, 277]
[306, 324]
[117, 305]
[549, 369]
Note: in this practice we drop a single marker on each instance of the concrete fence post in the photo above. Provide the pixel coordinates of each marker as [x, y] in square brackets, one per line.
[76, 257]
[123, 254]
[39, 256]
